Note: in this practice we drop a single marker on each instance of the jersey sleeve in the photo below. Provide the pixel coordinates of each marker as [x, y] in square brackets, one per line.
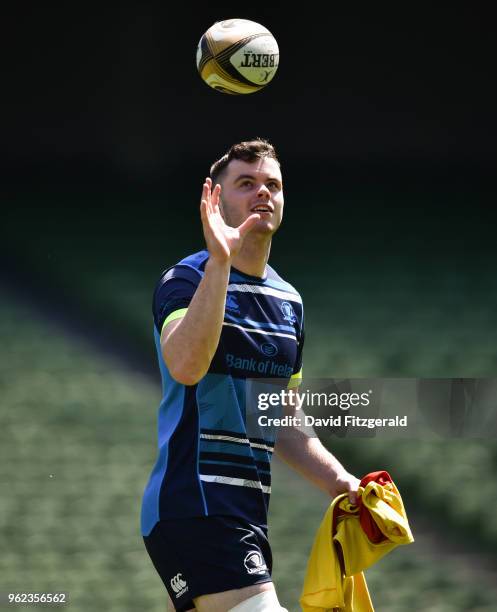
[173, 294]
[296, 377]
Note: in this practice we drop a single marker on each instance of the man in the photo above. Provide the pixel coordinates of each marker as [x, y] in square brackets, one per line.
[219, 314]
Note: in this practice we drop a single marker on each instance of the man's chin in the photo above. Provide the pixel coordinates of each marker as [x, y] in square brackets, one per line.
[264, 227]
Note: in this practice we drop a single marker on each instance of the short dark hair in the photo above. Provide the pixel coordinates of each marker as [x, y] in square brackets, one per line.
[248, 151]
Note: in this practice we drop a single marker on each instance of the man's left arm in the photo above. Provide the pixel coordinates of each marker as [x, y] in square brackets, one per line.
[306, 455]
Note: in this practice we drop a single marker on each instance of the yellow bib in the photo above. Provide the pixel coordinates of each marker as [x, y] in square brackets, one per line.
[328, 585]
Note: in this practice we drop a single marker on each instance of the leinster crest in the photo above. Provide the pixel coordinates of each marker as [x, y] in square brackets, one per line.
[288, 313]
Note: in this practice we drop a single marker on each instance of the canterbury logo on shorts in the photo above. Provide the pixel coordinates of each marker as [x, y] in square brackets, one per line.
[179, 585]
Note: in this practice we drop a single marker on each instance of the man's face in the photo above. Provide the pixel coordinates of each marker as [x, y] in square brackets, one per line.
[253, 187]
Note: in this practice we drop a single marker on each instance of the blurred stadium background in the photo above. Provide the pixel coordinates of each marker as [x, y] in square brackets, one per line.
[385, 125]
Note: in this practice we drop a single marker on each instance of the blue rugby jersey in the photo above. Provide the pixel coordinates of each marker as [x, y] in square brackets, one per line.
[207, 462]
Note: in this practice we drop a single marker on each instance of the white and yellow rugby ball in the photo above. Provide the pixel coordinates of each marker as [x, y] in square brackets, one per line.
[237, 56]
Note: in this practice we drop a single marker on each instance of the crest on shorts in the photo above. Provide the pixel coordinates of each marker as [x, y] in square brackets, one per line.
[178, 585]
[254, 563]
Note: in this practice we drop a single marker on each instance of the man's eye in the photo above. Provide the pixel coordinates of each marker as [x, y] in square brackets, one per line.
[246, 184]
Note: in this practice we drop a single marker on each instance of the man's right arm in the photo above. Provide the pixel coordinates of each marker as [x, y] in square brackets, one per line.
[188, 344]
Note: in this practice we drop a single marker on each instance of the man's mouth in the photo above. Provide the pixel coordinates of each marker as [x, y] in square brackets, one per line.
[262, 208]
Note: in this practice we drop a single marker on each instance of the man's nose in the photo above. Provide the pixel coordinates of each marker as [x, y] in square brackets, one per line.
[263, 192]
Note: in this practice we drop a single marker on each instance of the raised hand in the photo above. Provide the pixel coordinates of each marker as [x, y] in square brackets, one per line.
[223, 242]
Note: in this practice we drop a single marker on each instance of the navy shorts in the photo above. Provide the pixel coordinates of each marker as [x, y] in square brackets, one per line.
[197, 556]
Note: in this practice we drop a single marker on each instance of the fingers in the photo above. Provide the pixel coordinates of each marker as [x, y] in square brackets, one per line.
[209, 211]
[248, 224]
[203, 211]
[211, 197]
[206, 194]
[353, 492]
[353, 498]
[216, 196]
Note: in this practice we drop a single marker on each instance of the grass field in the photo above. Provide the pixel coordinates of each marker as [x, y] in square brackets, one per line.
[395, 281]
[77, 444]
[383, 298]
